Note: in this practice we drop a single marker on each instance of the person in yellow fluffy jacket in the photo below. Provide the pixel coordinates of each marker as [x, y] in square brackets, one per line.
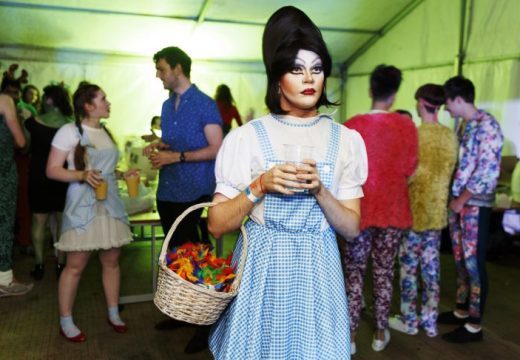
[428, 191]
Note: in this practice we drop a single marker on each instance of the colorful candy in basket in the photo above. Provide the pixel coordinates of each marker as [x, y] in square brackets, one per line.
[196, 264]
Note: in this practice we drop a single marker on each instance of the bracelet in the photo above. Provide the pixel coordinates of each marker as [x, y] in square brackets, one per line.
[182, 157]
[262, 187]
[251, 196]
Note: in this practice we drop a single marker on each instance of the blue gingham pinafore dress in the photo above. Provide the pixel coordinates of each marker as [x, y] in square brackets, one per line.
[81, 204]
[292, 302]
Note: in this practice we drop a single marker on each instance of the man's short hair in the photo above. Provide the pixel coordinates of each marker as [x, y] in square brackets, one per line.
[384, 81]
[173, 56]
[460, 86]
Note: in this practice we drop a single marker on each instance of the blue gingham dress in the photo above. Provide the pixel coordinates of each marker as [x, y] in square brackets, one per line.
[292, 302]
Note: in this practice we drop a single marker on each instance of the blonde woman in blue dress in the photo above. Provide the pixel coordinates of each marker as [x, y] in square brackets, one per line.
[291, 303]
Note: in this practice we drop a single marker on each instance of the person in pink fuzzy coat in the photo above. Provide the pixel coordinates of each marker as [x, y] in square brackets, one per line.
[391, 143]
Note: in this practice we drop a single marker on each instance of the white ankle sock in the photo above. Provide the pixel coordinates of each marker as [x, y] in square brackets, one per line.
[457, 315]
[471, 329]
[68, 326]
[113, 315]
[6, 277]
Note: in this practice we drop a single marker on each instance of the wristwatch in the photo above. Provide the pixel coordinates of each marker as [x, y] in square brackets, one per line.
[182, 157]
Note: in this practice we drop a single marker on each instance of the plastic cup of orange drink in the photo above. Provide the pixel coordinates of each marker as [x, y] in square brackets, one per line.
[132, 183]
[101, 190]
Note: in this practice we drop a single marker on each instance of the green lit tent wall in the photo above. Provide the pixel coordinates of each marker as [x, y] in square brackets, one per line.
[438, 39]
[112, 42]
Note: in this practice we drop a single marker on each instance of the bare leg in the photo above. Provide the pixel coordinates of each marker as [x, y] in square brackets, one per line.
[69, 280]
[110, 262]
[38, 235]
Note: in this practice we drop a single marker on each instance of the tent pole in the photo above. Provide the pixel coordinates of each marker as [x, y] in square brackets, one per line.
[203, 11]
[343, 88]
[460, 55]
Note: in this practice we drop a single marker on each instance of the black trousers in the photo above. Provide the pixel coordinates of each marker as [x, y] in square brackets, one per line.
[187, 230]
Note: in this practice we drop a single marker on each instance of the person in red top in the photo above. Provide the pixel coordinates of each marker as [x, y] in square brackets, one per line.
[227, 108]
[391, 143]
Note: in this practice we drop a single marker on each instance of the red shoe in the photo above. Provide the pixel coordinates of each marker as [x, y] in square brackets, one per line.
[77, 339]
[118, 328]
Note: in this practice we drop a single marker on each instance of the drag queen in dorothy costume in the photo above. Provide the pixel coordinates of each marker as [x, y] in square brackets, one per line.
[292, 302]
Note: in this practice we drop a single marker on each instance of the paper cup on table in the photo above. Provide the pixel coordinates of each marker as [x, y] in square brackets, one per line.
[101, 190]
[295, 154]
[132, 182]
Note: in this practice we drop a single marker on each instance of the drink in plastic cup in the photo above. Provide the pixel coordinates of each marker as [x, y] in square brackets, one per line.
[132, 182]
[295, 154]
[101, 190]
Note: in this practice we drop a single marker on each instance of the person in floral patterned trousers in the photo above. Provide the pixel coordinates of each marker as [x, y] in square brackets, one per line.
[428, 190]
[391, 142]
[472, 196]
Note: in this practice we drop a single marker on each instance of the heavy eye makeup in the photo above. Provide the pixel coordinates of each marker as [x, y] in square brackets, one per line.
[296, 69]
[317, 69]
[299, 69]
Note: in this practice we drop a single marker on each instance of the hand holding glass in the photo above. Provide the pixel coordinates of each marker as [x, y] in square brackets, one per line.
[294, 155]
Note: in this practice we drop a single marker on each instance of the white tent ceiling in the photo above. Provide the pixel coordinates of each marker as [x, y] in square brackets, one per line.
[214, 30]
[111, 42]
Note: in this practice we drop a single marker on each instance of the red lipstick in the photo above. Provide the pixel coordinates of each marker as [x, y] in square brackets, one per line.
[308, 92]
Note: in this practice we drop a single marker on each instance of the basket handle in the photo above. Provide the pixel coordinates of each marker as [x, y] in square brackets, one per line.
[176, 223]
[242, 262]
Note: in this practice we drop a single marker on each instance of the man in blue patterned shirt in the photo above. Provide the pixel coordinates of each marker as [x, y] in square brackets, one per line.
[191, 136]
[472, 196]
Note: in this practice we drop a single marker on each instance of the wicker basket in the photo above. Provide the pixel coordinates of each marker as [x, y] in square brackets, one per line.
[185, 301]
